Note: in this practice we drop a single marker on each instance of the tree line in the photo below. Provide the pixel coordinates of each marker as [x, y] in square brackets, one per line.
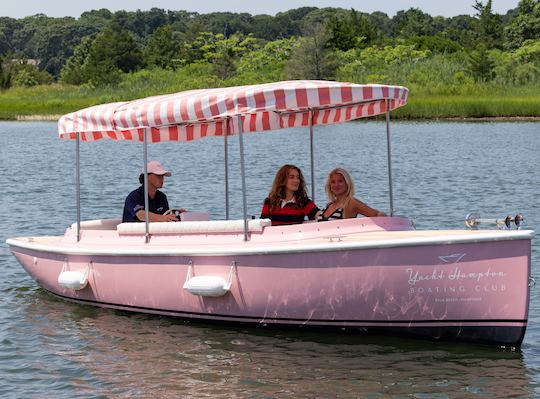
[102, 48]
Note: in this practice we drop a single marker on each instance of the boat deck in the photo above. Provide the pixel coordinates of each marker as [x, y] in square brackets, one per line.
[328, 236]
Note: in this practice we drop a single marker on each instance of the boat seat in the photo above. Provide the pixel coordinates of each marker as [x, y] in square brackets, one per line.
[213, 226]
[98, 224]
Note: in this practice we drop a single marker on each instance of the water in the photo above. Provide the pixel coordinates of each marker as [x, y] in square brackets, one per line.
[442, 171]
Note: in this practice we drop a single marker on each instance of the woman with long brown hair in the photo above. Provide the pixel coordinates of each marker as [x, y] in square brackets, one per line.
[288, 202]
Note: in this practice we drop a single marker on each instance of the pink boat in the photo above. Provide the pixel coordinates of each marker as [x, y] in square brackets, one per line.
[365, 275]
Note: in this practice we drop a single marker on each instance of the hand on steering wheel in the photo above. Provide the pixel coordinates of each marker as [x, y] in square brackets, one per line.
[175, 212]
[171, 216]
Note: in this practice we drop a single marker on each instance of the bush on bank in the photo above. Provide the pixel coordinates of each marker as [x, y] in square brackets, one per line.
[441, 86]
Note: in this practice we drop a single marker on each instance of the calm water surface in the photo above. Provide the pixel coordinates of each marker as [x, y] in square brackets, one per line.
[442, 171]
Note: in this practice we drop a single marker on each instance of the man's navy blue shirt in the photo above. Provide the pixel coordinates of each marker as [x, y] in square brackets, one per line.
[135, 202]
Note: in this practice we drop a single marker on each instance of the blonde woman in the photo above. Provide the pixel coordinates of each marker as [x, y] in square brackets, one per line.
[340, 191]
[288, 202]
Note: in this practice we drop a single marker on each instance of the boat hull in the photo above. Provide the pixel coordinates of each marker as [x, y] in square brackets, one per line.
[469, 291]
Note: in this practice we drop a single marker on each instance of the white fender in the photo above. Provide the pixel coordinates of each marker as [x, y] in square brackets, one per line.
[73, 280]
[213, 286]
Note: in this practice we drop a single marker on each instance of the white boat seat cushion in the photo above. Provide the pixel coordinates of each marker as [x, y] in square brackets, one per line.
[213, 226]
[98, 224]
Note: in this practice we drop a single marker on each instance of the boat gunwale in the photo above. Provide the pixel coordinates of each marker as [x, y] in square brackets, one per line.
[333, 245]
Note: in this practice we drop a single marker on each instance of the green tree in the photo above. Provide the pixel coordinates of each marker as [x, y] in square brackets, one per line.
[49, 40]
[96, 18]
[25, 79]
[525, 26]
[54, 44]
[162, 49]
[154, 19]
[288, 23]
[375, 64]
[350, 31]
[342, 34]
[5, 73]
[488, 25]
[382, 22]
[141, 24]
[26, 75]
[413, 22]
[8, 28]
[461, 29]
[272, 28]
[226, 23]
[182, 21]
[73, 71]
[223, 52]
[481, 64]
[112, 52]
[266, 63]
[312, 59]
[436, 44]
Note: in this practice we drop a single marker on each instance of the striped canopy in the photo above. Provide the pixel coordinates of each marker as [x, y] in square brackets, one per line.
[195, 114]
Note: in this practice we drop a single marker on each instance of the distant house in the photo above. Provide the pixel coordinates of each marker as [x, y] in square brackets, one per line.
[29, 61]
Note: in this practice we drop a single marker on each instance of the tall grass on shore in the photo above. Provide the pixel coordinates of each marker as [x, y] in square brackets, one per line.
[436, 100]
[46, 100]
[59, 99]
[471, 106]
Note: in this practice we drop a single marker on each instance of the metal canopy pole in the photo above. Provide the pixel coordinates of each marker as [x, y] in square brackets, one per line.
[242, 169]
[78, 183]
[145, 169]
[311, 155]
[226, 151]
[389, 156]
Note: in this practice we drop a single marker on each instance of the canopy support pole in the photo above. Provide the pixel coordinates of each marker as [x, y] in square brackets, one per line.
[146, 205]
[389, 156]
[78, 182]
[226, 154]
[311, 155]
[242, 170]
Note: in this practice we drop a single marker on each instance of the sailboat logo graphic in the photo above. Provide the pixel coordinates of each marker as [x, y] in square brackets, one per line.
[454, 258]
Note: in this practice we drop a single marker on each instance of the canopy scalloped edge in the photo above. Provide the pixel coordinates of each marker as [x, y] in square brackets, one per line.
[195, 114]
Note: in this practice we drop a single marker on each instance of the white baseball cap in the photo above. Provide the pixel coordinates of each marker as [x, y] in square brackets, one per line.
[157, 169]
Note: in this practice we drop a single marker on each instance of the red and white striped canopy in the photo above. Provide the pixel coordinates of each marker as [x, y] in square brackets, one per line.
[195, 114]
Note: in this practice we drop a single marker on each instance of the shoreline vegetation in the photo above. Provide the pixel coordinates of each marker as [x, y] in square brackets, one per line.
[458, 68]
[476, 102]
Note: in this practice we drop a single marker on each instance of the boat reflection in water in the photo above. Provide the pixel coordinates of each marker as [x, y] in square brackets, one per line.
[122, 354]
[361, 276]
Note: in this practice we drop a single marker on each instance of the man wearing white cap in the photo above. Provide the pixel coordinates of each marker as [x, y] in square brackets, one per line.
[157, 201]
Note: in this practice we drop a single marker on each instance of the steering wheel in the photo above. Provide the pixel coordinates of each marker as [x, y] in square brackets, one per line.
[175, 212]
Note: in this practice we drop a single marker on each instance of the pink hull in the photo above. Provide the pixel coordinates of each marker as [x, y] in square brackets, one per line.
[473, 291]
